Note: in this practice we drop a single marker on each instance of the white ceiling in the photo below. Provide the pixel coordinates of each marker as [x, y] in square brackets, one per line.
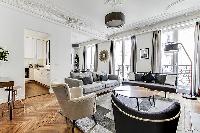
[78, 37]
[136, 11]
[90, 13]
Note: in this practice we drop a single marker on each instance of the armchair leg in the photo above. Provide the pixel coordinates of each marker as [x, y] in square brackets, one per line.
[73, 126]
[66, 119]
[93, 117]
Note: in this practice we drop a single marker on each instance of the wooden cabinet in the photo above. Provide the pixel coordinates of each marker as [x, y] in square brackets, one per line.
[42, 75]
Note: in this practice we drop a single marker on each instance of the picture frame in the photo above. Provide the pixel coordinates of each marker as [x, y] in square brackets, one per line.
[144, 53]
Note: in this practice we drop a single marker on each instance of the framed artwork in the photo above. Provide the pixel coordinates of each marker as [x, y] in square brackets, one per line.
[144, 53]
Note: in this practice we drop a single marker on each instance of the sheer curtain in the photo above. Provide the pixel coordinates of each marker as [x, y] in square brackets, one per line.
[90, 55]
[156, 52]
[133, 54]
[196, 67]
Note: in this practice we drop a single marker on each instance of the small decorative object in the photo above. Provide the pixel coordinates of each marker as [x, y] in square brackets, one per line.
[103, 55]
[3, 54]
[144, 53]
[76, 62]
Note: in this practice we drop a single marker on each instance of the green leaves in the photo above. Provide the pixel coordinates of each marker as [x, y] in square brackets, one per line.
[3, 54]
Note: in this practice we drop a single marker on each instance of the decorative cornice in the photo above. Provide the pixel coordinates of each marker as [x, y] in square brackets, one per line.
[176, 2]
[158, 22]
[46, 10]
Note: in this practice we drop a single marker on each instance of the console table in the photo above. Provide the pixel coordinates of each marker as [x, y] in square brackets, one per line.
[7, 84]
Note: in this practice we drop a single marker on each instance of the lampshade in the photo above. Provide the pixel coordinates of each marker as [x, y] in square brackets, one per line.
[115, 19]
[171, 47]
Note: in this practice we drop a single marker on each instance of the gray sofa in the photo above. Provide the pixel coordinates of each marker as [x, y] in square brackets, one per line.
[169, 83]
[96, 86]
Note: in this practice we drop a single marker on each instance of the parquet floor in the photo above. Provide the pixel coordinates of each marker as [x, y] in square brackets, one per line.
[34, 89]
[40, 115]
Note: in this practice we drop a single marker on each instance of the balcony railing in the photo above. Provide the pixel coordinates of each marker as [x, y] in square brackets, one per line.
[184, 74]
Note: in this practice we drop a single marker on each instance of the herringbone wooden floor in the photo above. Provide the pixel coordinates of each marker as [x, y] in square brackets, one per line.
[40, 115]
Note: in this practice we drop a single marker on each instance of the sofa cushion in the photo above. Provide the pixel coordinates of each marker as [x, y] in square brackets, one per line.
[93, 87]
[87, 80]
[103, 77]
[96, 77]
[112, 77]
[111, 83]
[171, 80]
[131, 76]
[138, 77]
[149, 78]
[160, 78]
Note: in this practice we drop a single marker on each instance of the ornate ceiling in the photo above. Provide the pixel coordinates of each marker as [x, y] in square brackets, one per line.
[87, 16]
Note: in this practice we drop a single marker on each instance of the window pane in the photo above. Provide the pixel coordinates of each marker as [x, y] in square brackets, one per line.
[118, 57]
[127, 56]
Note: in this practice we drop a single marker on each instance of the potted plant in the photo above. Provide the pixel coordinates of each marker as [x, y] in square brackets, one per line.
[3, 54]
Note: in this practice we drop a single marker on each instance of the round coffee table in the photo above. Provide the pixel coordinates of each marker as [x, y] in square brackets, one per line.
[135, 92]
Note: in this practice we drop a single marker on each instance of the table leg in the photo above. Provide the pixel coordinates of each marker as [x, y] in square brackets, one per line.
[10, 103]
[150, 100]
[138, 104]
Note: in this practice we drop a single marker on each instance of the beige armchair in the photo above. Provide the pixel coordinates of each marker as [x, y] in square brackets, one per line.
[73, 104]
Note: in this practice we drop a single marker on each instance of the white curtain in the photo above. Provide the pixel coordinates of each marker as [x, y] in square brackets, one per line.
[156, 52]
[196, 67]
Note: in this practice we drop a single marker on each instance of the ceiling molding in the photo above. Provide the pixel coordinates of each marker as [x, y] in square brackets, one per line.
[156, 19]
[47, 11]
[150, 25]
[176, 2]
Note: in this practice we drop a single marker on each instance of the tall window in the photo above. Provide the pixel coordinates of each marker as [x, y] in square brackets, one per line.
[90, 57]
[178, 62]
[122, 57]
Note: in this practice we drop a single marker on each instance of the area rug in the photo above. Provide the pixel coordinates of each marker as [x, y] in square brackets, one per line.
[105, 118]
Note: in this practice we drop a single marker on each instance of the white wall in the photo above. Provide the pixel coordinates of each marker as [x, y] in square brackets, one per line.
[12, 27]
[144, 41]
[104, 66]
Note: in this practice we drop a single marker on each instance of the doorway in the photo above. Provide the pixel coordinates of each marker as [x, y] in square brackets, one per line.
[36, 63]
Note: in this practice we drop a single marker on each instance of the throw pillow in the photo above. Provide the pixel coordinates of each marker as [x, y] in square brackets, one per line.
[96, 77]
[103, 77]
[160, 78]
[149, 78]
[131, 76]
[171, 80]
[112, 77]
[138, 77]
[87, 80]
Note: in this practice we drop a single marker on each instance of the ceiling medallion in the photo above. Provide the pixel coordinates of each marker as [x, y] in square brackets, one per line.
[115, 19]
